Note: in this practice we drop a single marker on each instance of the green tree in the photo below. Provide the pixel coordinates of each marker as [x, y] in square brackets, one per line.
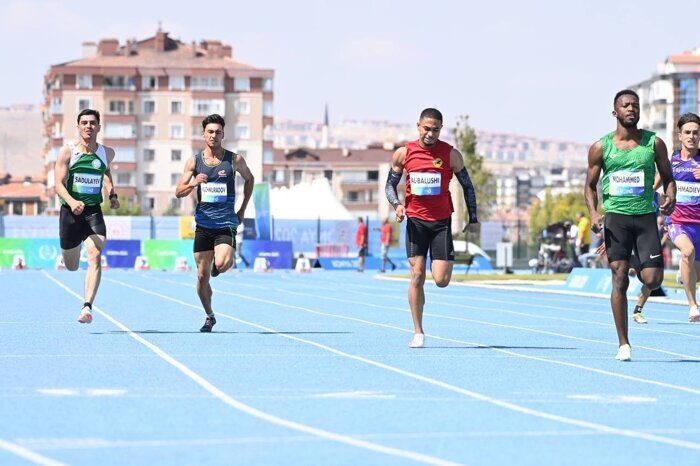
[465, 141]
[123, 208]
[554, 209]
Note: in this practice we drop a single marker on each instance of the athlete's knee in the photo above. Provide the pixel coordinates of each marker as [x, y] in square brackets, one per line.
[94, 258]
[225, 264]
[688, 254]
[653, 282]
[442, 282]
[621, 281]
[71, 265]
[417, 277]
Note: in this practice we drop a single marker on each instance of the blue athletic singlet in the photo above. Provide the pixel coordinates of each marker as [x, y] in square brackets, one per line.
[217, 197]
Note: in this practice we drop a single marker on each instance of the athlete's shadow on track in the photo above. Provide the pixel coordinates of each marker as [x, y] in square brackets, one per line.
[158, 332]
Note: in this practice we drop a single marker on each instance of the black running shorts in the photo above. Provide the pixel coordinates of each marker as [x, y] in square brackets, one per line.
[74, 229]
[206, 238]
[423, 236]
[623, 233]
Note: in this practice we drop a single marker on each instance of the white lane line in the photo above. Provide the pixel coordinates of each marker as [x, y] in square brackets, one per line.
[453, 388]
[681, 388]
[211, 388]
[28, 455]
[488, 323]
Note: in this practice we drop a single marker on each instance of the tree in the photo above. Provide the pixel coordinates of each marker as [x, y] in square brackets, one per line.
[553, 209]
[465, 141]
[123, 208]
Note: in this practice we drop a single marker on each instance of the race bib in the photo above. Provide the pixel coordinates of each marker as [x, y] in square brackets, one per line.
[687, 192]
[214, 192]
[87, 183]
[626, 183]
[425, 184]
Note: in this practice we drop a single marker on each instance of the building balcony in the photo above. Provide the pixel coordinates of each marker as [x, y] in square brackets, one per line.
[119, 142]
[119, 118]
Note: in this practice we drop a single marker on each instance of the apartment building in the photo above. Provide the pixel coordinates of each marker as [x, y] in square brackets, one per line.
[669, 93]
[153, 95]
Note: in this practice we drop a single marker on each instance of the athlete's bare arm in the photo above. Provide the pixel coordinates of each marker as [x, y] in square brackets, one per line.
[249, 182]
[392, 182]
[60, 177]
[460, 171]
[663, 165]
[185, 186]
[109, 182]
[590, 189]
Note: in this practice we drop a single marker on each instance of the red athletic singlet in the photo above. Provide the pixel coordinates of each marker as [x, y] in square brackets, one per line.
[428, 175]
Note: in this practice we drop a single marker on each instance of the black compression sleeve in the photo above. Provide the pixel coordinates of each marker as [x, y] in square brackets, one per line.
[469, 193]
[392, 182]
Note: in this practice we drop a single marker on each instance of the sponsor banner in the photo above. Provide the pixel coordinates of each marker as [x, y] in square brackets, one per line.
[187, 227]
[279, 253]
[11, 247]
[118, 227]
[122, 253]
[261, 201]
[164, 254]
[249, 229]
[37, 253]
[597, 281]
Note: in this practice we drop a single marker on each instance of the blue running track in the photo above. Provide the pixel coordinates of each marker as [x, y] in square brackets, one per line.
[315, 369]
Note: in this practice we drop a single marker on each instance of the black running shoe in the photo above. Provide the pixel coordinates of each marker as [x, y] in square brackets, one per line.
[208, 324]
[393, 266]
[214, 271]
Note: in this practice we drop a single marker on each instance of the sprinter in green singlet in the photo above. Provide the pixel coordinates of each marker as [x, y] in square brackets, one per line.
[628, 158]
[81, 174]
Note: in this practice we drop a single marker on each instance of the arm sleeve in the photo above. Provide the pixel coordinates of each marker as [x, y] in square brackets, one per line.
[469, 193]
[392, 182]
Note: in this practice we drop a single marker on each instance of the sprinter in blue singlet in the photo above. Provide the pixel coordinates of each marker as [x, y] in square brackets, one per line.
[212, 173]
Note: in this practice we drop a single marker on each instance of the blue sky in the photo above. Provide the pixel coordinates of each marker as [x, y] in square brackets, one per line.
[540, 68]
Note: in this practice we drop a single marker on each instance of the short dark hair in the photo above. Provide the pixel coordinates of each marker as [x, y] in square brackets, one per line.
[688, 118]
[213, 118]
[624, 92]
[89, 111]
[433, 113]
[359, 219]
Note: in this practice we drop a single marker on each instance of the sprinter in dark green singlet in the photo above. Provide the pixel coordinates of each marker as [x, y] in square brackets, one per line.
[81, 174]
[628, 158]
[212, 173]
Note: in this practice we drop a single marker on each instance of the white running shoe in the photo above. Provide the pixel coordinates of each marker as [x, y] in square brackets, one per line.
[85, 316]
[624, 353]
[418, 341]
[694, 314]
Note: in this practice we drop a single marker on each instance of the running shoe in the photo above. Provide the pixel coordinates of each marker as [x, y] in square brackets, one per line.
[624, 353]
[639, 318]
[694, 314]
[208, 324]
[214, 271]
[85, 316]
[393, 266]
[418, 341]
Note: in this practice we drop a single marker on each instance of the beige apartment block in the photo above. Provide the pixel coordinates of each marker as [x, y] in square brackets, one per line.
[153, 95]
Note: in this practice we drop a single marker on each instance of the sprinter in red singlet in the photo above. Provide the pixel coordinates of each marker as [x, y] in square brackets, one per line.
[429, 165]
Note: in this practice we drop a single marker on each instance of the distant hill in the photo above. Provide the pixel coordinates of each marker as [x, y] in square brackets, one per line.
[21, 140]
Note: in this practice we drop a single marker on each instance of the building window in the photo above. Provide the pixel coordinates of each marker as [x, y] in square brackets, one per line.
[177, 131]
[353, 196]
[268, 155]
[241, 84]
[148, 179]
[175, 155]
[296, 176]
[176, 204]
[174, 179]
[149, 155]
[373, 175]
[56, 106]
[177, 83]
[83, 81]
[207, 83]
[120, 131]
[267, 108]
[279, 176]
[83, 104]
[149, 130]
[267, 85]
[149, 83]
[149, 106]
[688, 94]
[123, 179]
[242, 107]
[328, 174]
[117, 107]
[176, 107]
[242, 132]
[120, 82]
[204, 107]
